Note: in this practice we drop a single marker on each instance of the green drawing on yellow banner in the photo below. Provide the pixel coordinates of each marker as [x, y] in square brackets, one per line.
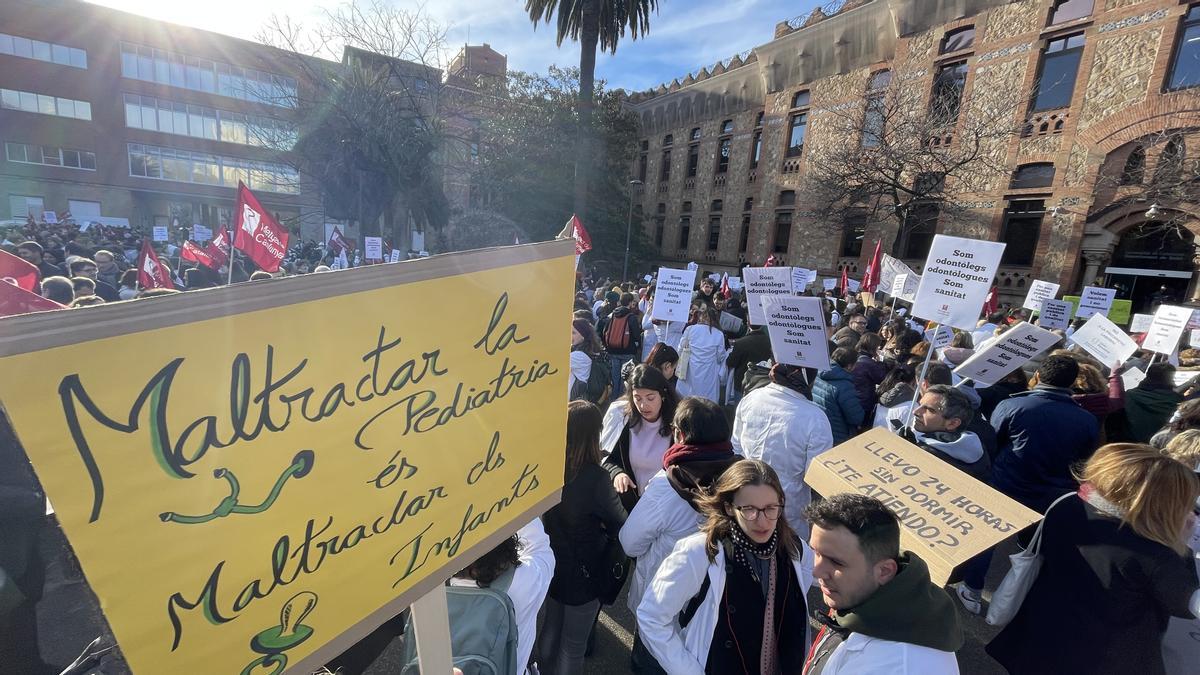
[291, 631]
[301, 464]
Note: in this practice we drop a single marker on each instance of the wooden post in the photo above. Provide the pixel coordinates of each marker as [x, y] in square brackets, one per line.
[431, 630]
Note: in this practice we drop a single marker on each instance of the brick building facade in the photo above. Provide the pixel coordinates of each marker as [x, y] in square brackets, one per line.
[723, 153]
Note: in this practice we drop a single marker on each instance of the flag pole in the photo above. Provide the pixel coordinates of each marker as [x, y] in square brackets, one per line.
[232, 256]
[912, 418]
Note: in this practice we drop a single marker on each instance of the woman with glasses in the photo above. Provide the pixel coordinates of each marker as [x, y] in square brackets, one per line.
[731, 598]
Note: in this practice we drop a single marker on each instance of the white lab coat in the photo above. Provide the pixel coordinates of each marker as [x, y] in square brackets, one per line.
[679, 578]
[615, 419]
[862, 655]
[660, 519]
[530, 583]
[786, 430]
[649, 335]
[581, 368]
[707, 345]
[670, 332]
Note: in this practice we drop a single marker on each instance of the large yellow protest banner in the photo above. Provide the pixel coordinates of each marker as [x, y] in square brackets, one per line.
[254, 477]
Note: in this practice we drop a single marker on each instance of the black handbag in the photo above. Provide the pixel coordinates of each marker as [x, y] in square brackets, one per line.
[609, 574]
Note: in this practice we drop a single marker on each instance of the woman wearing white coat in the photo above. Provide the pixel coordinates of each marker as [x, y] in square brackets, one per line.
[704, 343]
[740, 585]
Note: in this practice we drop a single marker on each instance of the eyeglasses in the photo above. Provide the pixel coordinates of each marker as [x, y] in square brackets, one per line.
[751, 512]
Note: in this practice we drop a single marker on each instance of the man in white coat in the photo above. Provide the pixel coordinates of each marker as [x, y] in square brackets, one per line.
[779, 425]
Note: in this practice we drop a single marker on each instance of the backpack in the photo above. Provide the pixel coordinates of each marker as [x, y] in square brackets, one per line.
[483, 630]
[616, 334]
[599, 382]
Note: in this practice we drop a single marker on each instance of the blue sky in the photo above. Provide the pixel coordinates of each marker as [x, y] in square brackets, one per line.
[684, 36]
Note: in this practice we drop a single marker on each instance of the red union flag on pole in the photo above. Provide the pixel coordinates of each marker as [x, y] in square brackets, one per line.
[18, 272]
[151, 273]
[574, 229]
[338, 241]
[198, 255]
[844, 284]
[870, 280]
[991, 303]
[218, 248]
[256, 233]
[16, 300]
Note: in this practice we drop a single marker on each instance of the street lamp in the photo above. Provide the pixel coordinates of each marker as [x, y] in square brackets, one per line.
[628, 226]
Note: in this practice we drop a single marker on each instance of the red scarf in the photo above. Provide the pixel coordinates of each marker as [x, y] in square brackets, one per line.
[681, 452]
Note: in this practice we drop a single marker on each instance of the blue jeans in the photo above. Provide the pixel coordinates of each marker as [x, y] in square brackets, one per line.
[616, 362]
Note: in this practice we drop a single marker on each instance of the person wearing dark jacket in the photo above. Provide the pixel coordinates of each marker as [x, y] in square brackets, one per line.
[885, 615]
[868, 371]
[581, 527]
[1115, 570]
[752, 347]
[834, 393]
[940, 420]
[22, 518]
[621, 334]
[990, 397]
[1150, 405]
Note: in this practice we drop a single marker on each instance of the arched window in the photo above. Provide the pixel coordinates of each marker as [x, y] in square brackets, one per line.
[668, 139]
[1170, 161]
[727, 127]
[696, 134]
[801, 99]
[1135, 167]
[1032, 176]
[958, 40]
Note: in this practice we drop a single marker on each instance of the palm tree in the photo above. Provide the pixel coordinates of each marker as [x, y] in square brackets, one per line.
[591, 22]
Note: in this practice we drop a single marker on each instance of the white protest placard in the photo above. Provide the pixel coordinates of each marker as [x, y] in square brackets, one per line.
[201, 233]
[1132, 378]
[853, 285]
[1055, 314]
[716, 278]
[801, 278]
[160, 233]
[735, 283]
[939, 337]
[673, 294]
[1140, 323]
[395, 255]
[1182, 377]
[1194, 338]
[50, 217]
[1105, 340]
[374, 247]
[762, 281]
[890, 268]
[1095, 300]
[83, 227]
[647, 278]
[693, 266]
[829, 284]
[1039, 291]
[1019, 344]
[796, 327]
[958, 275]
[1167, 327]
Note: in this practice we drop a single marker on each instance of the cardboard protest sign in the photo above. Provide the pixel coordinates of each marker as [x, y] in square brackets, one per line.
[1039, 291]
[1167, 327]
[1095, 300]
[373, 248]
[958, 275]
[946, 516]
[673, 294]
[939, 337]
[244, 497]
[1140, 323]
[1009, 352]
[796, 327]
[1055, 314]
[159, 233]
[1105, 340]
[761, 281]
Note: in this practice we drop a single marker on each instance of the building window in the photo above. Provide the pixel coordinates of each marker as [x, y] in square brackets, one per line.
[748, 204]
[723, 149]
[145, 112]
[755, 149]
[693, 162]
[21, 207]
[717, 205]
[213, 77]
[642, 159]
[695, 135]
[801, 99]
[50, 155]
[948, 89]
[1185, 66]
[714, 232]
[1170, 162]
[920, 225]
[854, 230]
[668, 140]
[686, 207]
[1032, 176]
[958, 40]
[1020, 232]
[645, 145]
[1069, 10]
[758, 119]
[744, 239]
[685, 231]
[1134, 171]
[1056, 79]
[787, 198]
[797, 127]
[664, 173]
[727, 127]
[15, 45]
[146, 161]
[874, 116]
[783, 231]
[660, 224]
[27, 101]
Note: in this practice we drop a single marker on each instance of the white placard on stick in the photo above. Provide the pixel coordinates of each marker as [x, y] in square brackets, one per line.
[1055, 314]
[693, 266]
[1194, 337]
[373, 248]
[1095, 300]
[1132, 378]
[904, 286]
[762, 281]
[801, 278]
[673, 294]
[395, 255]
[796, 326]
[1039, 291]
[50, 217]
[735, 283]
[1140, 323]
[829, 284]
[853, 285]
[1018, 344]
[1167, 327]
[160, 233]
[958, 275]
[1105, 340]
[939, 337]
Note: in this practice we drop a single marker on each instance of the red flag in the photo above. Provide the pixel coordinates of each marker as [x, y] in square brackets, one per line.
[574, 229]
[198, 255]
[337, 240]
[771, 262]
[218, 248]
[725, 286]
[256, 233]
[844, 285]
[870, 280]
[151, 273]
[991, 303]
[18, 272]
[17, 300]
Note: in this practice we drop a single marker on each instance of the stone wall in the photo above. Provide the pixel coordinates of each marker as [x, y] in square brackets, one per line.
[1012, 20]
[1120, 74]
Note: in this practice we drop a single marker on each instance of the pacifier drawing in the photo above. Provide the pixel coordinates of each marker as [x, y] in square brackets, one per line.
[291, 631]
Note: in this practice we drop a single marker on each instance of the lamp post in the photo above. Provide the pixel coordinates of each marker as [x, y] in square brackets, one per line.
[628, 227]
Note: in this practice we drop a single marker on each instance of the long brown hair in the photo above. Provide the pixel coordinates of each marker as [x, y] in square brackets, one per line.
[583, 436]
[1156, 492]
[717, 506]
